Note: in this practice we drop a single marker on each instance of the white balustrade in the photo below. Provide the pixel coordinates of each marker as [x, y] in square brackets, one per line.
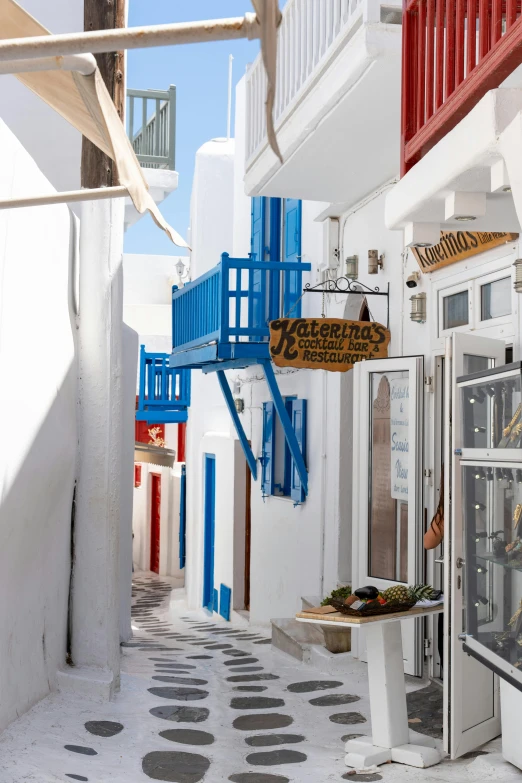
[309, 33]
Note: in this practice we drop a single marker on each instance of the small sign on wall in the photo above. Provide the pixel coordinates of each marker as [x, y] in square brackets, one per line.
[326, 343]
[399, 436]
[456, 245]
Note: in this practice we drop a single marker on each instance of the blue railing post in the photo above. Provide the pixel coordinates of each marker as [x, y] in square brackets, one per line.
[224, 324]
[142, 380]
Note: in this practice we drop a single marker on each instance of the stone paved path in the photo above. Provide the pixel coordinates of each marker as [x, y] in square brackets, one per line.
[204, 700]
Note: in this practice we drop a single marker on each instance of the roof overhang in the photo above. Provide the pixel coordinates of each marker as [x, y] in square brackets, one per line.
[478, 163]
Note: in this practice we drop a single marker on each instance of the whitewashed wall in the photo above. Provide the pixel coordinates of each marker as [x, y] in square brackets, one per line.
[130, 362]
[38, 425]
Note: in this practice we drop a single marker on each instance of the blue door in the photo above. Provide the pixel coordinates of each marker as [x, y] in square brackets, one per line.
[209, 531]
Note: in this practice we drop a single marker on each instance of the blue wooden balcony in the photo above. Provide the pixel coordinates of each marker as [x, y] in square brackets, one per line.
[164, 392]
[221, 319]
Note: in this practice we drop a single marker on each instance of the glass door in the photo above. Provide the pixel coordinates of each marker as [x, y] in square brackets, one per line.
[387, 529]
[470, 689]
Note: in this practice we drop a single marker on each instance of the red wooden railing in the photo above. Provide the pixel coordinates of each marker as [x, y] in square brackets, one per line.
[453, 52]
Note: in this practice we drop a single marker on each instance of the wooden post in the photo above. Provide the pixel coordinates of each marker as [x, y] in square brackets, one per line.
[98, 170]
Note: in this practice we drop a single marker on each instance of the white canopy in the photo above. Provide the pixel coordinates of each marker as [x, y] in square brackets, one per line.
[81, 97]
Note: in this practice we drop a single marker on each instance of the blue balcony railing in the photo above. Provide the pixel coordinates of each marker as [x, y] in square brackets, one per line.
[164, 392]
[224, 314]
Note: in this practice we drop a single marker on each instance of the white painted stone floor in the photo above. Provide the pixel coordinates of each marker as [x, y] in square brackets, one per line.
[34, 747]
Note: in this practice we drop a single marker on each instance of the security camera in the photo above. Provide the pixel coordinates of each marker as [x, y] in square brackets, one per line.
[413, 280]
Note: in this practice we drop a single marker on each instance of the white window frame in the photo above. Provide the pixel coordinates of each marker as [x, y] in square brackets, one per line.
[471, 277]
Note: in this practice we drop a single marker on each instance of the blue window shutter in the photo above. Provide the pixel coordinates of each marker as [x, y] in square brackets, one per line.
[257, 250]
[225, 594]
[298, 419]
[267, 474]
[292, 252]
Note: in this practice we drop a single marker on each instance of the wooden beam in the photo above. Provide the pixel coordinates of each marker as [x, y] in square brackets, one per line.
[98, 170]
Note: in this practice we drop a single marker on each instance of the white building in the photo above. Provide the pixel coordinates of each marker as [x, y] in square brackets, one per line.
[451, 310]
[68, 394]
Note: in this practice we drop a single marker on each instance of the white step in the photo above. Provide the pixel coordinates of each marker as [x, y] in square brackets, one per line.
[295, 638]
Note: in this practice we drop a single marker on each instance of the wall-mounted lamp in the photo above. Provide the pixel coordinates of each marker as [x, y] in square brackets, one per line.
[418, 308]
[239, 404]
[374, 261]
[181, 270]
[351, 267]
[517, 285]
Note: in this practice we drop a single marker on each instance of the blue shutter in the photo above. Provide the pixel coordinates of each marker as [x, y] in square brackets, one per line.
[267, 471]
[292, 252]
[225, 594]
[298, 419]
[257, 250]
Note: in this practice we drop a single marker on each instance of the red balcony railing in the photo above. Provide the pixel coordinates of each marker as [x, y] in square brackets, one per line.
[453, 52]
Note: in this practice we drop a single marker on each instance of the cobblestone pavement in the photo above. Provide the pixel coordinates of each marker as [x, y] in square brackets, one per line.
[205, 700]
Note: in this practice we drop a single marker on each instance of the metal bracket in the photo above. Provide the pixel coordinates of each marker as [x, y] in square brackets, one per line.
[286, 424]
[227, 394]
[345, 285]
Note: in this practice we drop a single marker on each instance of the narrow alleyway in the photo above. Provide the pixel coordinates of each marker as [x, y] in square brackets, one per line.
[206, 700]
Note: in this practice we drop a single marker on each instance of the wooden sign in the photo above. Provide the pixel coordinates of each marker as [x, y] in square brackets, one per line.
[326, 343]
[456, 245]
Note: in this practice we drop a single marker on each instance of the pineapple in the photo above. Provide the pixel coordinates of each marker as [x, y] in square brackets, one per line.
[396, 593]
[406, 594]
[420, 593]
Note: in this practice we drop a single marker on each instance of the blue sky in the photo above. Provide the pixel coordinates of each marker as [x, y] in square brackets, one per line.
[200, 73]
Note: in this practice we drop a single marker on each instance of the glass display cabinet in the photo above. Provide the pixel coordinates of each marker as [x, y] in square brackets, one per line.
[491, 502]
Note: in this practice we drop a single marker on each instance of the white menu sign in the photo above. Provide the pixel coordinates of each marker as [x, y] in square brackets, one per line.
[399, 437]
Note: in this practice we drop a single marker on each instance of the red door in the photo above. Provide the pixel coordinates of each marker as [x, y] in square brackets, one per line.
[155, 506]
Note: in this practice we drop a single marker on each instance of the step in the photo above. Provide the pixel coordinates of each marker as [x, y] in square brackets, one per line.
[295, 638]
[310, 601]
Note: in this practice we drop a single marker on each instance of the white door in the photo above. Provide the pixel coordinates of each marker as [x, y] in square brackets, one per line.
[470, 689]
[387, 480]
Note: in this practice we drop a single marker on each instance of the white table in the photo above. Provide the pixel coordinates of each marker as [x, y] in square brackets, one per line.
[390, 740]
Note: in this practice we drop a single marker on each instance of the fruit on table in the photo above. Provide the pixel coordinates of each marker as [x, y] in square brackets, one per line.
[404, 593]
[368, 593]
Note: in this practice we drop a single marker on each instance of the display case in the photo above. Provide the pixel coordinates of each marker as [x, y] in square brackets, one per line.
[490, 466]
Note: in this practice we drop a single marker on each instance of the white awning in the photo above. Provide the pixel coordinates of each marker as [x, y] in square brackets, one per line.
[72, 85]
[84, 101]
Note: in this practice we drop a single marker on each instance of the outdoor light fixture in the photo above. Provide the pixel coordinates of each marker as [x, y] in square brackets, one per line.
[498, 473]
[479, 474]
[351, 266]
[481, 569]
[479, 506]
[519, 476]
[479, 429]
[181, 270]
[412, 281]
[508, 475]
[239, 404]
[418, 308]
[375, 261]
[517, 285]
[478, 536]
[481, 600]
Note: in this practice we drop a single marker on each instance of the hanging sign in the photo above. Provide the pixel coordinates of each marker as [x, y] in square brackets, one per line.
[326, 343]
[456, 245]
[399, 436]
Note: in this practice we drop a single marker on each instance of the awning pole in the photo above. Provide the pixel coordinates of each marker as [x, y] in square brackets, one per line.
[113, 40]
[67, 197]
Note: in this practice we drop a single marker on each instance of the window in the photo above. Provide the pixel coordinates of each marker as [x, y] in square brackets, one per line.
[280, 476]
[483, 302]
[456, 310]
[495, 299]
